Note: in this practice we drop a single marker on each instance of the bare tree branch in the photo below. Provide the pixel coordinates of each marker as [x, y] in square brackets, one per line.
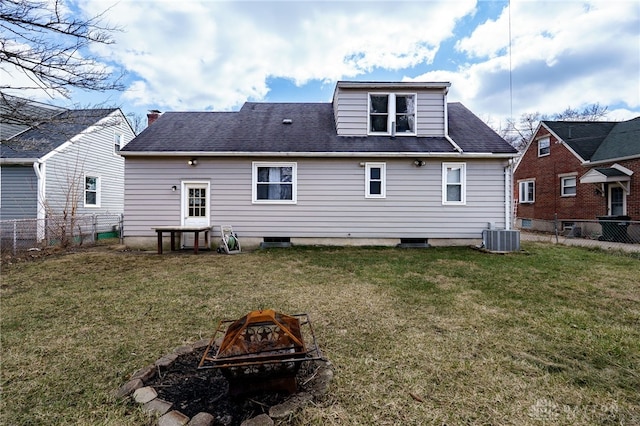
[518, 135]
[40, 40]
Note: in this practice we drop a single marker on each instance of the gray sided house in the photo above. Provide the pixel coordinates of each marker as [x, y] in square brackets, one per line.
[67, 161]
[383, 163]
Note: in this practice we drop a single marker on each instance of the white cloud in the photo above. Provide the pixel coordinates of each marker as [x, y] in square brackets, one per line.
[563, 54]
[215, 54]
[197, 55]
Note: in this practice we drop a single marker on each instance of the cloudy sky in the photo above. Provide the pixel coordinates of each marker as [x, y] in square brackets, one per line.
[502, 59]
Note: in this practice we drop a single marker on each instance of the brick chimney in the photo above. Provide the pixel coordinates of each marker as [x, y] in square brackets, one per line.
[152, 116]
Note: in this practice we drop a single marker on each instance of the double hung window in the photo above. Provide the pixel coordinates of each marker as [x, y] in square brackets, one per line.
[568, 186]
[91, 191]
[117, 143]
[274, 182]
[544, 147]
[375, 180]
[454, 183]
[392, 113]
[527, 191]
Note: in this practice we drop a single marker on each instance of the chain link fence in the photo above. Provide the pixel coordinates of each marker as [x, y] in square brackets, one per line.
[610, 231]
[27, 234]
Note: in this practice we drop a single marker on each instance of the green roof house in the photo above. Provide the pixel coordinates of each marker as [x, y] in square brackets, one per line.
[577, 170]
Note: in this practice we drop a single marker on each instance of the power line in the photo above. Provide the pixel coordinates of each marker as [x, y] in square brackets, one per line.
[510, 69]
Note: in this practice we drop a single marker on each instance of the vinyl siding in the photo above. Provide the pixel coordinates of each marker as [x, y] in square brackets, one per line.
[351, 112]
[91, 155]
[331, 199]
[18, 192]
[430, 114]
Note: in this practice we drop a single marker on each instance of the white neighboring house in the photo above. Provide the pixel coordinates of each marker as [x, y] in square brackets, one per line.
[68, 162]
[383, 163]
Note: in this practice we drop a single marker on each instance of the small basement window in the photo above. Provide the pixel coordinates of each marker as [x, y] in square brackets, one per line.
[413, 243]
[271, 242]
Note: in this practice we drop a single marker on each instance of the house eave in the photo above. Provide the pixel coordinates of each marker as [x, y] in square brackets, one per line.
[600, 178]
[316, 154]
[596, 176]
[380, 85]
[18, 161]
[609, 160]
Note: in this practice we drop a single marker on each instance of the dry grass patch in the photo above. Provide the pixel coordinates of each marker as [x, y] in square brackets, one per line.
[445, 335]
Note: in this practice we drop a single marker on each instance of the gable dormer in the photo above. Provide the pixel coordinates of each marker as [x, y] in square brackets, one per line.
[391, 109]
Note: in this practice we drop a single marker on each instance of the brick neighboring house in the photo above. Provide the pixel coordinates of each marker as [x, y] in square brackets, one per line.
[578, 171]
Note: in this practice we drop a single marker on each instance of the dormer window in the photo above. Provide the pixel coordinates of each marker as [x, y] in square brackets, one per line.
[544, 147]
[392, 114]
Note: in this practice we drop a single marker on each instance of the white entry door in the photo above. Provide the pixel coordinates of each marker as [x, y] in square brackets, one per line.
[195, 209]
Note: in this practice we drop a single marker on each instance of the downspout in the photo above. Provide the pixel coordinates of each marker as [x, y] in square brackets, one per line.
[446, 126]
[508, 194]
[455, 145]
[38, 167]
[507, 198]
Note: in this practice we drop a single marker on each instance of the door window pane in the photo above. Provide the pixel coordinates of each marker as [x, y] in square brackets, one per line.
[617, 201]
[197, 202]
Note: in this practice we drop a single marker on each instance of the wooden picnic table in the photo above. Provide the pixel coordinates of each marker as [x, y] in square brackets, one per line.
[173, 230]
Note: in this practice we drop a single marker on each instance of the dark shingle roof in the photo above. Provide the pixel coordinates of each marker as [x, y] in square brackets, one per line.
[623, 141]
[472, 134]
[19, 114]
[611, 172]
[40, 140]
[583, 137]
[599, 140]
[258, 127]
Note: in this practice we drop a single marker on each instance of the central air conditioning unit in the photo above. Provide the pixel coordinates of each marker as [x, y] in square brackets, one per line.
[501, 240]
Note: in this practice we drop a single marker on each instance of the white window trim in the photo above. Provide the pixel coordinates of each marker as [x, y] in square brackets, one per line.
[98, 191]
[609, 199]
[548, 139]
[254, 182]
[184, 198]
[521, 193]
[463, 184]
[563, 186]
[383, 180]
[118, 139]
[391, 112]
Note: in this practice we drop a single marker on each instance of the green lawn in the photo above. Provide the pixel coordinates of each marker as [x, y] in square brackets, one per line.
[430, 336]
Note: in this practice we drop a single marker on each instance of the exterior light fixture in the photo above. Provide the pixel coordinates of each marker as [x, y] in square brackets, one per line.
[174, 188]
[418, 163]
[193, 162]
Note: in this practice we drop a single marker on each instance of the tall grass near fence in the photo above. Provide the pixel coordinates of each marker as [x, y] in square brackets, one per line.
[20, 235]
